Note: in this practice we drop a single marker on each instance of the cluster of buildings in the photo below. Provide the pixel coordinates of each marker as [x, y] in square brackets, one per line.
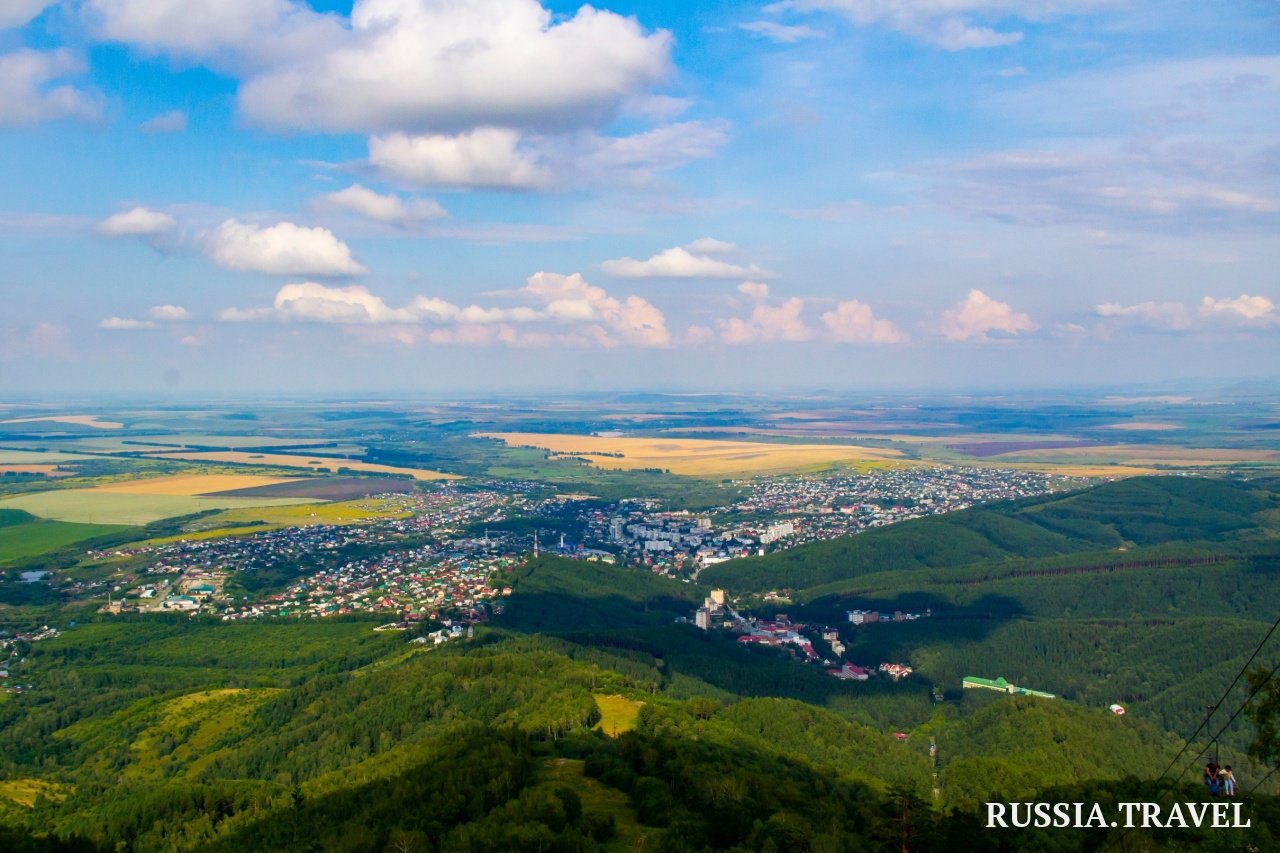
[10, 649]
[782, 512]
[424, 560]
[973, 682]
[867, 617]
[418, 583]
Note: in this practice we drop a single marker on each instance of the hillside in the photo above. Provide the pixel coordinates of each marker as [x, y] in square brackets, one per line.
[1127, 514]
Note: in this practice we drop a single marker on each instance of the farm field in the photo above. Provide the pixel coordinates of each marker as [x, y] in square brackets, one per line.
[38, 457]
[78, 420]
[94, 506]
[323, 488]
[209, 485]
[22, 535]
[312, 463]
[1143, 455]
[698, 457]
[248, 520]
[46, 469]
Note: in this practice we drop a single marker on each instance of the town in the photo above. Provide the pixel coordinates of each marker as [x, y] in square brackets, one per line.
[446, 551]
[779, 513]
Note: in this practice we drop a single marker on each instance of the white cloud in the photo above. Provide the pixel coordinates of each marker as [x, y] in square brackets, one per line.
[854, 322]
[1237, 312]
[1156, 315]
[633, 320]
[16, 13]
[711, 246]
[488, 157]
[123, 323]
[169, 313]
[759, 291]
[138, 222]
[767, 323]
[569, 310]
[30, 91]
[422, 66]
[977, 315]
[949, 24]
[780, 33]
[502, 158]
[1242, 308]
[389, 209]
[282, 249]
[247, 36]
[174, 121]
[693, 261]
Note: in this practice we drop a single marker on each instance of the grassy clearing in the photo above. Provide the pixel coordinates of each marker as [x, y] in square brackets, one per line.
[699, 457]
[24, 791]
[600, 798]
[311, 463]
[94, 506]
[187, 727]
[617, 714]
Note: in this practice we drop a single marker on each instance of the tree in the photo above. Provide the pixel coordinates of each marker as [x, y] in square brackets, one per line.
[1264, 710]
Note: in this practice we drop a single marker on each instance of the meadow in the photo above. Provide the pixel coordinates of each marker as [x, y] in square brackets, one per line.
[698, 457]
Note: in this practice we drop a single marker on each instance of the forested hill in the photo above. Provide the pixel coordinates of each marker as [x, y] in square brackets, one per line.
[1137, 513]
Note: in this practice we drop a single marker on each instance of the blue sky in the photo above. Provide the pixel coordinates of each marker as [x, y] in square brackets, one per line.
[409, 195]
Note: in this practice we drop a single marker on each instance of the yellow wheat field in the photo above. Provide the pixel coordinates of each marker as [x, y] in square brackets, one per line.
[192, 484]
[313, 463]
[697, 457]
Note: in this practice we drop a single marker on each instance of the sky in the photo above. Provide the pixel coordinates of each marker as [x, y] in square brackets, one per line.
[277, 196]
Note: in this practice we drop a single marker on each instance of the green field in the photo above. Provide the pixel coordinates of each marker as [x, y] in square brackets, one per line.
[23, 535]
[101, 507]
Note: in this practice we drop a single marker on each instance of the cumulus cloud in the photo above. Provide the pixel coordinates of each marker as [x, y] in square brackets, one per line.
[16, 13]
[696, 260]
[567, 310]
[169, 313]
[124, 323]
[754, 290]
[174, 121]
[31, 91]
[854, 322]
[767, 323]
[1239, 312]
[405, 65]
[488, 157]
[951, 25]
[1242, 308]
[978, 315]
[632, 321]
[389, 209]
[137, 222]
[281, 249]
